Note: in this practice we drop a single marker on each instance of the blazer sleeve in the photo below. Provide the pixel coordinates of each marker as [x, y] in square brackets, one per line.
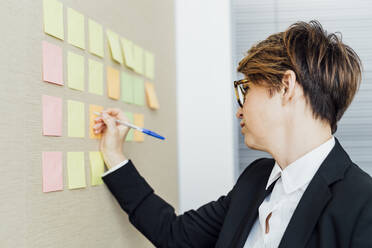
[362, 232]
[156, 219]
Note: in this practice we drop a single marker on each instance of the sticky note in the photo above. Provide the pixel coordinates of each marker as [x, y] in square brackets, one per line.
[149, 65]
[127, 48]
[52, 115]
[95, 77]
[53, 18]
[52, 171]
[92, 116]
[113, 83]
[75, 119]
[139, 91]
[76, 170]
[95, 38]
[126, 87]
[138, 58]
[130, 117]
[75, 71]
[75, 28]
[152, 100]
[114, 45]
[97, 168]
[139, 120]
[52, 63]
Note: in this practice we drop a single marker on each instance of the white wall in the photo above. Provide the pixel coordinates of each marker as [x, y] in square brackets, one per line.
[205, 104]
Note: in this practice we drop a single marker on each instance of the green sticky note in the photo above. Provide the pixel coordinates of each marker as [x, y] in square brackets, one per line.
[76, 170]
[138, 59]
[95, 38]
[97, 167]
[75, 119]
[149, 65]
[126, 87]
[95, 77]
[113, 40]
[75, 71]
[139, 91]
[127, 48]
[75, 28]
[130, 117]
[53, 18]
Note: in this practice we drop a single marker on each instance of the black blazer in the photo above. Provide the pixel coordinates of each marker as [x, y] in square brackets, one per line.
[334, 211]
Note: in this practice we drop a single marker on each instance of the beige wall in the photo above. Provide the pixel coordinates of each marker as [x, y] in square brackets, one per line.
[88, 217]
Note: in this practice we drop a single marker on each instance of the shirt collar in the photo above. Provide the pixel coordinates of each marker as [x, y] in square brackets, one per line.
[301, 171]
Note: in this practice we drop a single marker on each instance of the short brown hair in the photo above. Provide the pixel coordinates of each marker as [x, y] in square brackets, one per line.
[328, 70]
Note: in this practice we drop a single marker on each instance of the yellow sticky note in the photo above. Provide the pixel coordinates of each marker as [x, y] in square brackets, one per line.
[130, 117]
[97, 167]
[113, 40]
[95, 77]
[113, 83]
[75, 119]
[95, 38]
[127, 48]
[139, 120]
[75, 71]
[152, 100]
[138, 91]
[126, 87]
[76, 170]
[92, 116]
[53, 18]
[149, 65]
[138, 58]
[75, 28]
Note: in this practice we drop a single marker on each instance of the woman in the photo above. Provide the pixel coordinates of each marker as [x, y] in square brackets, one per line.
[297, 85]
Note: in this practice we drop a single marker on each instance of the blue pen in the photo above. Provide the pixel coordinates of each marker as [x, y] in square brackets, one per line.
[143, 130]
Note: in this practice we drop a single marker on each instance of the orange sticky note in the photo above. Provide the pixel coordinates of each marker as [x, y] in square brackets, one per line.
[139, 120]
[152, 100]
[92, 116]
[113, 83]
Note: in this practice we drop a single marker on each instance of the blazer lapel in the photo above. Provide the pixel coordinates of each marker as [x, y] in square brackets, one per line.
[315, 198]
[250, 216]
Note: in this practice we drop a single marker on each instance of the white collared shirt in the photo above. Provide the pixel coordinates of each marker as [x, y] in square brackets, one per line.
[286, 194]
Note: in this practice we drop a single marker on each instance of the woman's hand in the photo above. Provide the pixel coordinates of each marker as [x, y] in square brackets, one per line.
[113, 135]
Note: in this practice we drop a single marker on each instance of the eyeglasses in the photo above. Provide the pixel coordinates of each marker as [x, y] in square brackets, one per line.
[241, 88]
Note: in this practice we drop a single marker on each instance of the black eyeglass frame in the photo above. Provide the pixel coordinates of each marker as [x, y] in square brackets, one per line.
[239, 85]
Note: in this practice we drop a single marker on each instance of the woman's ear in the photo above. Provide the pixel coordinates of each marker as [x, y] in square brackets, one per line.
[289, 86]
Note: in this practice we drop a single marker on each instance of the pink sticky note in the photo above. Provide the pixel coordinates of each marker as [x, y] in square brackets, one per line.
[52, 171]
[52, 116]
[52, 63]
